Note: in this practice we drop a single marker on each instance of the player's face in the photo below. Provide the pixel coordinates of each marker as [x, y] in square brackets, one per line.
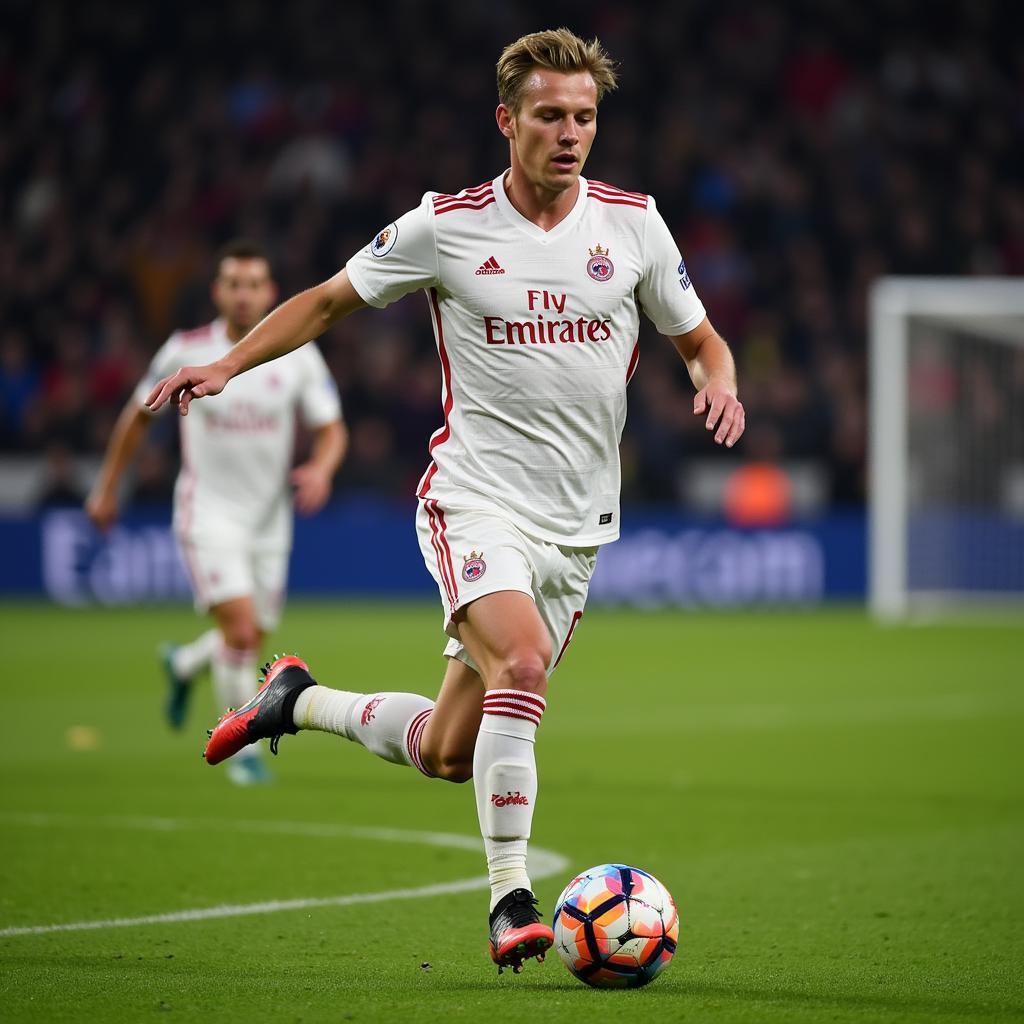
[243, 291]
[553, 129]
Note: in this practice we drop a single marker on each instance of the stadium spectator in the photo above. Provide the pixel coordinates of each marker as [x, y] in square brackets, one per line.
[797, 154]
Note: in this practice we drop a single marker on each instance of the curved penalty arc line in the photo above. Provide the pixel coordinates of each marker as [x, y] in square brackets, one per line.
[542, 864]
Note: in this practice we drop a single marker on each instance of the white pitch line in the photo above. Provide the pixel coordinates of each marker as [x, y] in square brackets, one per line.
[543, 864]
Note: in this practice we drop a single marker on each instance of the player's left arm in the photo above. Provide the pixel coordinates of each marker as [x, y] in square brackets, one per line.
[312, 479]
[713, 372]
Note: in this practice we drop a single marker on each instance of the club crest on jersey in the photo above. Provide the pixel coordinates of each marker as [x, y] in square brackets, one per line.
[385, 241]
[474, 566]
[599, 267]
[684, 277]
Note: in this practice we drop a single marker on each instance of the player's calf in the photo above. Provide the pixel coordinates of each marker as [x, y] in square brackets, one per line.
[449, 766]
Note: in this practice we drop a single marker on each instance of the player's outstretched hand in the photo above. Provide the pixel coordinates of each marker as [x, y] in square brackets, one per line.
[188, 383]
[725, 412]
[312, 488]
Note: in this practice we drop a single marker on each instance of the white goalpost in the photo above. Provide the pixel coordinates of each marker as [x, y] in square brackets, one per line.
[946, 444]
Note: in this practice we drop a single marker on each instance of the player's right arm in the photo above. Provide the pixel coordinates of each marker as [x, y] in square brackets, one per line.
[102, 505]
[303, 317]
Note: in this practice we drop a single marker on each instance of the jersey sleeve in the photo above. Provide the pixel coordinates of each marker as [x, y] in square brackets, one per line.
[168, 358]
[665, 291]
[401, 258]
[319, 403]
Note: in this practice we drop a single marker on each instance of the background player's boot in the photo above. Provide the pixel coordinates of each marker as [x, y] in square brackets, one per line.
[517, 931]
[248, 769]
[179, 689]
[267, 716]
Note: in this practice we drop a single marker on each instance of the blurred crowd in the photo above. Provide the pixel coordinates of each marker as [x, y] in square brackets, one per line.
[797, 151]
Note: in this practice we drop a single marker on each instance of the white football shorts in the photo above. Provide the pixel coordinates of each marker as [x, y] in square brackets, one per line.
[220, 573]
[472, 554]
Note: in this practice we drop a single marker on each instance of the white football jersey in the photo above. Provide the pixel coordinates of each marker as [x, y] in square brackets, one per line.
[237, 447]
[537, 336]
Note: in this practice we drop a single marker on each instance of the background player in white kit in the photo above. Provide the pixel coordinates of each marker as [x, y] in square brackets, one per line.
[534, 283]
[233, 497]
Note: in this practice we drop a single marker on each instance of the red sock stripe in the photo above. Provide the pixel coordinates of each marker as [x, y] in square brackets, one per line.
[234, 656]
[521, 695]
[414, 737]
[514, 704]
[513, 712]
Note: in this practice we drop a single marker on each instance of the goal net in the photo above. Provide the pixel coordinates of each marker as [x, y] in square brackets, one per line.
[946, 446]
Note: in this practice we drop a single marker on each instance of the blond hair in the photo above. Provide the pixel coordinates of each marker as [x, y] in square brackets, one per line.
[557, 49]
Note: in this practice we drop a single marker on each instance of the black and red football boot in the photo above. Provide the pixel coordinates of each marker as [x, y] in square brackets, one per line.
[267, 716]
[517, 932]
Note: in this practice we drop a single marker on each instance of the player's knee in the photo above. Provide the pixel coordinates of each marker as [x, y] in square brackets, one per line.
[241, 634]
[525, 671]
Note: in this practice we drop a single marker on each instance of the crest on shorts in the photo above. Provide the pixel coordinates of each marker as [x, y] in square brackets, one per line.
[385, 240]
[599, 267]
[473, 566]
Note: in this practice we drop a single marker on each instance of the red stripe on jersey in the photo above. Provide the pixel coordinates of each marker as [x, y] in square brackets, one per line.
[424, 487]
[478, 205]
[602, 186]
[447, 550]
[478, 192]
[576, 616]
[192, 565]
[470, 197]
[633, 360]
[186, 510]
[442, 435]
[436, 545]
[617, 202]
[475, 190]
[196, 334]
[616, 194]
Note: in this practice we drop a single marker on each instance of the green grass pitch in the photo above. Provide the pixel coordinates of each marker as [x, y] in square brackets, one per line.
[836, 806]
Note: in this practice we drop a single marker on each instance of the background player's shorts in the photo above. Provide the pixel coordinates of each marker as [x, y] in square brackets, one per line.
[472, 554]
[221, 573]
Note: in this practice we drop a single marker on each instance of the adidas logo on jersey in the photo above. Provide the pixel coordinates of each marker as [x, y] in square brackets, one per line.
[490, 267]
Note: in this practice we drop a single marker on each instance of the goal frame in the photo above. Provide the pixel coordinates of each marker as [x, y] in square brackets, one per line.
[892, 302]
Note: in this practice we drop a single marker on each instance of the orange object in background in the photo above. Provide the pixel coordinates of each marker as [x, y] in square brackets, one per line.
[758, 494]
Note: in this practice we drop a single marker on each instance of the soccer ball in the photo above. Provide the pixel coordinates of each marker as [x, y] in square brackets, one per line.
[615, 926]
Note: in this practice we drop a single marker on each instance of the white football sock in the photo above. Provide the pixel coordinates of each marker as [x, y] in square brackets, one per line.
[189, 660]
[389, 725]
[234, 675]
[505, 780]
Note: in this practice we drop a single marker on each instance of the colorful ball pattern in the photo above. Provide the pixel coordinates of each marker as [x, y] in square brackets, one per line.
[616, 926]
